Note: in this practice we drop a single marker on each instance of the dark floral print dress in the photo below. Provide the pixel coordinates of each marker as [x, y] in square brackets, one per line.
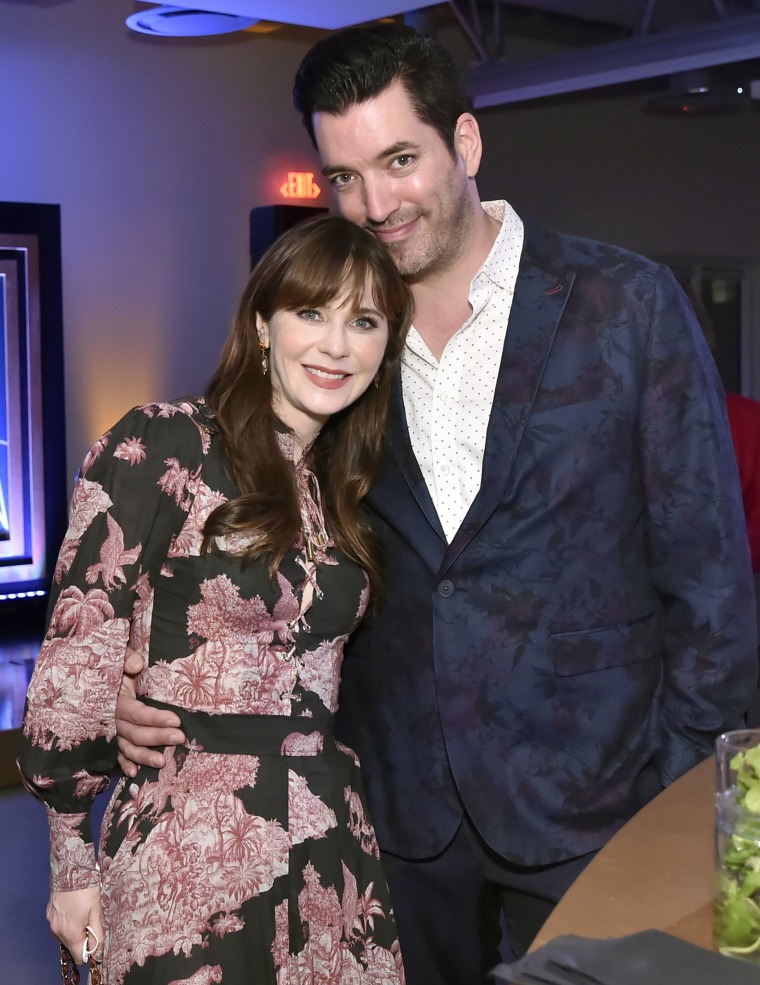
[249, 857]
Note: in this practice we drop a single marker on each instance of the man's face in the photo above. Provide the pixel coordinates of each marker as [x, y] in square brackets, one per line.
[394, 175]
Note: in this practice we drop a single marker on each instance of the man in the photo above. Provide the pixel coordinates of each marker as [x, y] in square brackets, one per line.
[569, 616]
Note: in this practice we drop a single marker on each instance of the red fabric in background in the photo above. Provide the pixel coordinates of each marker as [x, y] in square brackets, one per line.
[744, 421]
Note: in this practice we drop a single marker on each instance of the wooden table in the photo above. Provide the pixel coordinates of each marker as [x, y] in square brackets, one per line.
[656, 873]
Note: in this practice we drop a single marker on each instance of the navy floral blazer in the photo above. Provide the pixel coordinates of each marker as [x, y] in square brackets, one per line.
[591, 627]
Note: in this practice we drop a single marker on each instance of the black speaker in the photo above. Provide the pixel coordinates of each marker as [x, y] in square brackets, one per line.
[267, 222]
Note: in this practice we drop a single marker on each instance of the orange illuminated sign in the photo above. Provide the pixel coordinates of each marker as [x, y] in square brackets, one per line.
[300, 184]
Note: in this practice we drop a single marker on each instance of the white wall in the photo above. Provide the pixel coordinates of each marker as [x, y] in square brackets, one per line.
[156, 150]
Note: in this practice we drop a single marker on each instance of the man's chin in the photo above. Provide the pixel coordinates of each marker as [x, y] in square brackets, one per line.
[407, 263]
[412, 268]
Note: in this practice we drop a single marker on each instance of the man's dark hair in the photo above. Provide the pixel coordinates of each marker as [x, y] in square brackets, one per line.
[355, 65]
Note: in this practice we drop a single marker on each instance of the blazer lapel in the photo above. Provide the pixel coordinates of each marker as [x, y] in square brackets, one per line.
[399, 496]
[537, 306]
[398, 436]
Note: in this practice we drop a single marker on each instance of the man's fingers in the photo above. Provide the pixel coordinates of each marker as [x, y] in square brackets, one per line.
[135, 741]
[138, 727]
[132, 756]
[126, 765]
[133, 663]
[132, 712]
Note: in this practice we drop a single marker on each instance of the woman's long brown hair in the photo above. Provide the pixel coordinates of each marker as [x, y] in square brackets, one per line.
[312, 264]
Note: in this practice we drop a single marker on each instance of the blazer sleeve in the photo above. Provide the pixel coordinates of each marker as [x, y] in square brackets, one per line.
[132, 495]
[696, 538]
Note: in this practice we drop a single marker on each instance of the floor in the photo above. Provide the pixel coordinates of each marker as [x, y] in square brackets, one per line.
[28, 951]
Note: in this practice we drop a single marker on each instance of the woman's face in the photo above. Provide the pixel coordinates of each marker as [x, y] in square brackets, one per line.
[322, 359]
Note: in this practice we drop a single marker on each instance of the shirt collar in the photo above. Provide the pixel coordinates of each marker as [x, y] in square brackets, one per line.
[498, 266]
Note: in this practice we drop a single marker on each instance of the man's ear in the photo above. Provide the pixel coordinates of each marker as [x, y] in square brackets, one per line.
[467, 143]
[262, 330]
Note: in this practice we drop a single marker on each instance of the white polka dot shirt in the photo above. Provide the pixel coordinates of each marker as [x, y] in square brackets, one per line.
[448, 403]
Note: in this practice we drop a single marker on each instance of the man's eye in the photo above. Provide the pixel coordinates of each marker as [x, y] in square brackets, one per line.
[341, 180]
[403, 160]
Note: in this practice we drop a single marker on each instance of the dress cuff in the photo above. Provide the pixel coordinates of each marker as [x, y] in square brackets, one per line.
[72, 859]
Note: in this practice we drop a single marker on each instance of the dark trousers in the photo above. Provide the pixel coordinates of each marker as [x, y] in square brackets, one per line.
[452, 910]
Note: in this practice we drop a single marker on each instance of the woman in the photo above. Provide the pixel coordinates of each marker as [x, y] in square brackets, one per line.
[224, 540]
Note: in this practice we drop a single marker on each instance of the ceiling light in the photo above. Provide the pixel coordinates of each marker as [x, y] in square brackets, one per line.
[328, 14]
[698, 93]
[179, 22]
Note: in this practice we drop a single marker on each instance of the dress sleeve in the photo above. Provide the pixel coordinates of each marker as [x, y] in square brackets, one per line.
[131, 497]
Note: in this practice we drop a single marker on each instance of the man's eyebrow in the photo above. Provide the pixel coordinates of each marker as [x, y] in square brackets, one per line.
[400, 147]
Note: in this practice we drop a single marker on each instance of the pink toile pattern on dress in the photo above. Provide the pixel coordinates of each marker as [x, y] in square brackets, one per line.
[249, 856]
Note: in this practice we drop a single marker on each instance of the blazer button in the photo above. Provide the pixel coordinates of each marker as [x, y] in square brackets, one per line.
[446, 588]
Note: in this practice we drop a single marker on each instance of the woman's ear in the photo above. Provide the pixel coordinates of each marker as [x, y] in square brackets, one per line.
[467, 143]
[262, 330]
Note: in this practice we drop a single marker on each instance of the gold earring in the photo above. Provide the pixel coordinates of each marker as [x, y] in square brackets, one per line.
[264, 361]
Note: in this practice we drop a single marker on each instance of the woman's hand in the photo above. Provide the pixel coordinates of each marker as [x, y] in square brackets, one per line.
[69, 913]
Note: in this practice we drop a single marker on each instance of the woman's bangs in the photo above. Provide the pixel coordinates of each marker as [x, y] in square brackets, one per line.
[364, 277]
[324, 278]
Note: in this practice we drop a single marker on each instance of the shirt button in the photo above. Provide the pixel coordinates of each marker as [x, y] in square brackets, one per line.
[445, 470]
[446, 588]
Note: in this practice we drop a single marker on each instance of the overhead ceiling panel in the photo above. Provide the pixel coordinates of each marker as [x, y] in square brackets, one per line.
[639, 57]
[612, 11]
[630, 13]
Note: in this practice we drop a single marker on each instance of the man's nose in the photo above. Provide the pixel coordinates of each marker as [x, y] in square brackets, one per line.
[380, 201]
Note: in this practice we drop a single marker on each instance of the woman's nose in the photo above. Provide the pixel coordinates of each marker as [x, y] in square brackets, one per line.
[334, 341]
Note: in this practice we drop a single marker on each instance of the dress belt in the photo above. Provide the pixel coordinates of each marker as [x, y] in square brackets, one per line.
[263, 735]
